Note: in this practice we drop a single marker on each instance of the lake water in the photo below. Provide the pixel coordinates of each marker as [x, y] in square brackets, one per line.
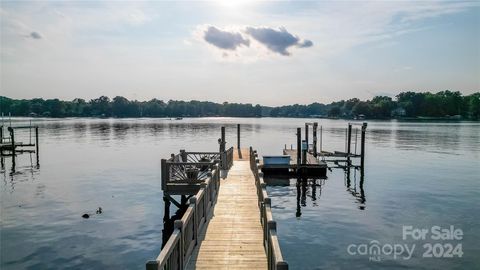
[418, 174]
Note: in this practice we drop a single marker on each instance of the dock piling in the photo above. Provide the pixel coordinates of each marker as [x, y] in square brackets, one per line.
[238, 136]
[37, 146]
[12, 140]
[315, 126]
[299, 146]
[306, 134]
[222, 140]
[321, 134]
[349, 142]
[362, 145]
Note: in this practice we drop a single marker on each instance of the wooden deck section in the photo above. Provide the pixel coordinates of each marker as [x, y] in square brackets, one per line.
[233, 238]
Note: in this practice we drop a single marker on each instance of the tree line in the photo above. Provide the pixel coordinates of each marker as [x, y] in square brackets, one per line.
[404, 105]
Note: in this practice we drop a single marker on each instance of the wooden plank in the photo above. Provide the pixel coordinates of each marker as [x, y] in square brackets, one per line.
[233, 238]
[245, 154]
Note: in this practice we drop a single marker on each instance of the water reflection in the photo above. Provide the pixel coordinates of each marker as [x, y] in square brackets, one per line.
[312, 188]
[23, 167]
[359, 194]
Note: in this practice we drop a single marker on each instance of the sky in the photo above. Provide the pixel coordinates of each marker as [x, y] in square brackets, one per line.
[269, 53]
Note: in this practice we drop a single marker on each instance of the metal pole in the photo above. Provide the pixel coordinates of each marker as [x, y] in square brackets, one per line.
[299, 146]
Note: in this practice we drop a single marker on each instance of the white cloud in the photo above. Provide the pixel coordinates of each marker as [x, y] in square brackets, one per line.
[224, 39]
[230, 39]
[277, 40]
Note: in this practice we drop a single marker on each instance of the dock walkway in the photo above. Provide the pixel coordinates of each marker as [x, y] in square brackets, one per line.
[228, 223]
[233, 238]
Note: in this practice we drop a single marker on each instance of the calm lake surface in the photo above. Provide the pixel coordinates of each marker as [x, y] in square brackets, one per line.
[420, 174]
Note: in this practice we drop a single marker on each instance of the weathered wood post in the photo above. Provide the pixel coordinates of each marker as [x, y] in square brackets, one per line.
[304, 152]
[349, 143]
[321, 135]
[299, 146]
[283, 265]
[178, 224]
[151, 265]
[12, 141]
[271, 226]
[238, 142]
[222, 140]
[193, 202]
[183, 155]
[306, 134]
[164, 173]
[1, 141]
[349, 138]
[37, 146]
[362, 145]
[238, 136]
[315, 126]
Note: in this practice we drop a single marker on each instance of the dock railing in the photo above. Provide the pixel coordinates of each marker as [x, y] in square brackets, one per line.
[190, 168]
[225, 158]
[270, 239]
[176, 252]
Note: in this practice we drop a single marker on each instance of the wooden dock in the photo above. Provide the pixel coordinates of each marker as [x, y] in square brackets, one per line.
[228, 223]
[233, 237]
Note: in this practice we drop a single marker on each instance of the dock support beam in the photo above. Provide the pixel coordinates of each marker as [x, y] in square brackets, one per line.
[304, 155]
[321, 136]
[349, 143]
[238, 136]
[299, 146]
[222, 140]
[315, 126]
[36, 141]
[37, 147]
[306, 134]
[12, 140]
[362, 145]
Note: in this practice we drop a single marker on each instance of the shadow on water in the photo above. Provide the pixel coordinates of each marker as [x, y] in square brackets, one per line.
[168, 221]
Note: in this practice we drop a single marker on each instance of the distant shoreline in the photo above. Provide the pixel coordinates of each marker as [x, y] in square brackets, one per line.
[405, 119]
[444, 105]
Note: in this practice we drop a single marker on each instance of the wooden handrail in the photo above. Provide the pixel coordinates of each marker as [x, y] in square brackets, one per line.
[271, 244]
[177, 250]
